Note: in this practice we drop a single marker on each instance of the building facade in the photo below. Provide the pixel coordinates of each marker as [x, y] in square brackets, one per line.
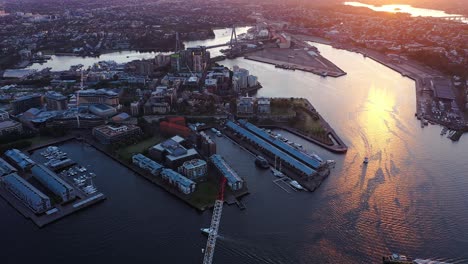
[233, 180]
[26, 193]
[194, 169]
[182, 183]
[56, 101]
[147, 164]
[25, 103]
[109, 134]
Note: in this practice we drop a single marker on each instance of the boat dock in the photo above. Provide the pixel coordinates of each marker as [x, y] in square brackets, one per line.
[58, 212]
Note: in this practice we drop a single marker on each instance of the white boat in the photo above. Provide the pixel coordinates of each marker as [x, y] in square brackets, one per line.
[296, 185]
[277, 173]
[205, 231]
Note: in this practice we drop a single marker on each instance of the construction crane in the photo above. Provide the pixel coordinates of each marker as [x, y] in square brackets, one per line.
[215, 220]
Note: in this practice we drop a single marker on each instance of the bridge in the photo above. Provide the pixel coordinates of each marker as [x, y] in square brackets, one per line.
[457, 18]
[215, 220]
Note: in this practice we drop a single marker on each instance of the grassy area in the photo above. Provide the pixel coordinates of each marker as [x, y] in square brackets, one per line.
[205, 194]
[127, 152]
[310, 126]
[38, 140]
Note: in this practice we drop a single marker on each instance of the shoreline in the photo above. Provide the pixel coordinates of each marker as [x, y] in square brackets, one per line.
[409, 69]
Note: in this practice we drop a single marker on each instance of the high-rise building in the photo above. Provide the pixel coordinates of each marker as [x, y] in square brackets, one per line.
[55, 101]
[25, 103]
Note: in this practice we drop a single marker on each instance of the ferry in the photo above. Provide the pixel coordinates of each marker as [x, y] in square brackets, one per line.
[296, 185]
[396, 259]
[261, 162]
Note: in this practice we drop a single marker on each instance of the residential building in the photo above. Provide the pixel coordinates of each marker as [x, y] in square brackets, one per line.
[194, 169]
[25, 192]
[25, 103]
[147, 164]
[8, 126]
[206, 144]
[245, 106]
[135, 108]
[263, 106]
[233, 180]
[108, 134]
[183, 184]
[53, 182]
[55, 101]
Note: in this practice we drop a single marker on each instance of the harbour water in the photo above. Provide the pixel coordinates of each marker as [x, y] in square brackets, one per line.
[413, 11]
[63, 63]
[411, 198]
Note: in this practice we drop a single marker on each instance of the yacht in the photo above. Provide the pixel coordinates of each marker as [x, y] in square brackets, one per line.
[296, 185]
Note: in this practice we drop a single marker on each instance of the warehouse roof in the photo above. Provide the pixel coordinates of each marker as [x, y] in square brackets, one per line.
[308, 160]
[266, 145]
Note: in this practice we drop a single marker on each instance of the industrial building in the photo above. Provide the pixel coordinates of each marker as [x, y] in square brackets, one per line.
[182, 183]
[19, 159]
[311, 161]
[109, 134]
[55, 101]
[52, 182]
[172, 153]
[194, 169]
[25, 103]
[5, 168]
[25, 192]
[271, 151]
[147, 164]
[233, 180]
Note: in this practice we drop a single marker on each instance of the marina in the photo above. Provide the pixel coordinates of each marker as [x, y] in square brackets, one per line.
[85, 192]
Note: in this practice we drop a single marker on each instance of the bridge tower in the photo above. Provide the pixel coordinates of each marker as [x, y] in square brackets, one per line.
[233, 37]
[177, 43]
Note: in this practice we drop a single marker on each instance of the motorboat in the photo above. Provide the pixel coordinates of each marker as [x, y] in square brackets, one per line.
[277, 173]
[396, 259]
[296, 185]
[261, 162]
[205, 231]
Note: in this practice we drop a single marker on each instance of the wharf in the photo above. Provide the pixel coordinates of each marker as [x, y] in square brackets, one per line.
[320, 66]
[64, 210]
[311, 184]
